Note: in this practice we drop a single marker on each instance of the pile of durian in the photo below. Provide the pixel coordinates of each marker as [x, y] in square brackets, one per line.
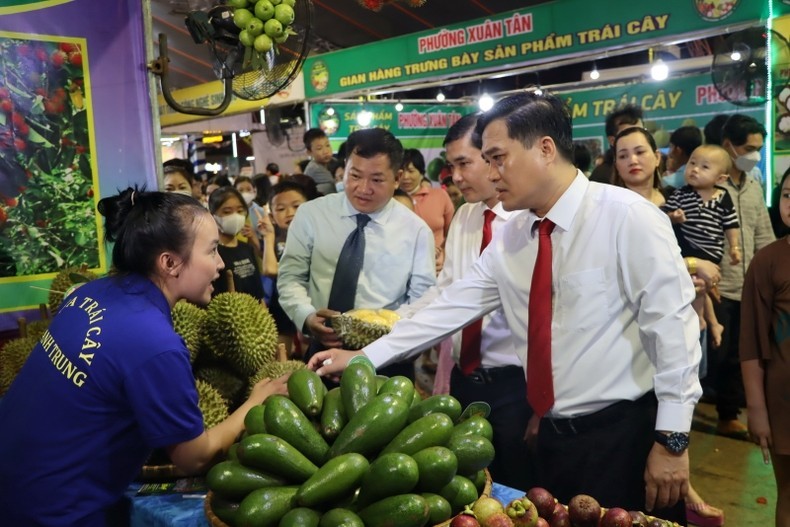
[359, 327]
[232, 345]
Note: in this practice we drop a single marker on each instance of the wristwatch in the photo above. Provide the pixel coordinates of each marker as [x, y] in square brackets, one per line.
[675, 442]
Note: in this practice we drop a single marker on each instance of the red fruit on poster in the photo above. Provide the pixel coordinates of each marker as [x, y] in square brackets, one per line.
[4, 93]
[90, 192]
[23, 50]
[58, 58]
[41, 54]
[18, 119]
[19, 144]
[58, 95]
[6, 105]
[80, 149]
[67, 47]
[22, 129]
[75, 59]
[11, 202]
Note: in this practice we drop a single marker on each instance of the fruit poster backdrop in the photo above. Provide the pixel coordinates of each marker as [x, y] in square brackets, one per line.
[75, 125]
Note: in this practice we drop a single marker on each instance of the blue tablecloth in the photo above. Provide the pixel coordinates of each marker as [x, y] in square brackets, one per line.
[177, 510]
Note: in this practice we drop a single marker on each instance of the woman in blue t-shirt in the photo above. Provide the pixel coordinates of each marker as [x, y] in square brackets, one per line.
[110, 380]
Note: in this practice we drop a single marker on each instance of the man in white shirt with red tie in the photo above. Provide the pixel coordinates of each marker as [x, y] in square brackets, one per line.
[486, 365]
[621, 350]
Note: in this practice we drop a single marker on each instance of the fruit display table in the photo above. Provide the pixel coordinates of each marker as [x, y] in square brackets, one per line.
[186, 510]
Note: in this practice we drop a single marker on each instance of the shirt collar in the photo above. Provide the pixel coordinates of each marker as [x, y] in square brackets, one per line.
[498, 209]
[564, 211]
[380, 216]
[137, 284]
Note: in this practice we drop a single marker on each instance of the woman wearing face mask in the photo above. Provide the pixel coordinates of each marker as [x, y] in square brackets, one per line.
[227, 206]
[255, 212]
[177, 180]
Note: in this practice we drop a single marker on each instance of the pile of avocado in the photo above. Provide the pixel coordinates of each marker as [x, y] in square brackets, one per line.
[369, 453]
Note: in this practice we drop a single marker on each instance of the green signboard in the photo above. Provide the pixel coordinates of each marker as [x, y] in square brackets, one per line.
[529, 35]
[414, 120]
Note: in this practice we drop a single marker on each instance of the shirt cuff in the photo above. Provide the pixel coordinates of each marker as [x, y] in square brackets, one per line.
[674, 417]
[377, 354]
[302, 312]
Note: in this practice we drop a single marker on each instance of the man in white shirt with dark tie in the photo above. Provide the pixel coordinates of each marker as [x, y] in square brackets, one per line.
[396, 264]
[621, 383]
[486, 365]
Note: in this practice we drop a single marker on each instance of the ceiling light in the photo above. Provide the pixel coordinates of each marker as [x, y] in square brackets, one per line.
[364, 117]
[440, 96]
[595, 74]
[538, 91]
[250, 158]
[659, 71]
[485, 103]
[735, 56]
[330, 111]
[398, 106]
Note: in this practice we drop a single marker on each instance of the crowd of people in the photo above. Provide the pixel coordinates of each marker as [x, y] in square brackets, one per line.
[590, 311]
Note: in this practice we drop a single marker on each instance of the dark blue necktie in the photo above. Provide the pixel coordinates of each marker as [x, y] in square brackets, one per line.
[349, 265]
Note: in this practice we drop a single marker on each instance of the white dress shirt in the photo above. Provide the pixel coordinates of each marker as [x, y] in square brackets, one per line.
[399, 257]
[622, 320]
[462, 249]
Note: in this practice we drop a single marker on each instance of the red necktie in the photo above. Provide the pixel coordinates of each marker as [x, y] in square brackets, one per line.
[470, 337]
[540, 384]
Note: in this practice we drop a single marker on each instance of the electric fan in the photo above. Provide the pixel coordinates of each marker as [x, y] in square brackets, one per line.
[256, 51]
[740, 65]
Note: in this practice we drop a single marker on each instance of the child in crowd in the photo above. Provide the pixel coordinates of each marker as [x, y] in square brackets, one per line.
[227, 206]
[704, 214]
[317, 144]
[284, 200]
[248, 191]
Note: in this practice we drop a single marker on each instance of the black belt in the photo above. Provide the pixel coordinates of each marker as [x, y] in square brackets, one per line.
[491, 375]
[599, 419]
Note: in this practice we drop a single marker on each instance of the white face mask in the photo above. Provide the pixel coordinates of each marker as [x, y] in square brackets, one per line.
[231, 224]
[248, 197]
[746, 162]
[182, 192]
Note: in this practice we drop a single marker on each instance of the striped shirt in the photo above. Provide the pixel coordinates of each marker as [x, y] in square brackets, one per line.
[706, 221]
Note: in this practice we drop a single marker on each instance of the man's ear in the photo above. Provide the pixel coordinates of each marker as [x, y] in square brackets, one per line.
[548, 148]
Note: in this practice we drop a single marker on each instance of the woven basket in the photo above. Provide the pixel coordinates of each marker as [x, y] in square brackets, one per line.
[216, 522]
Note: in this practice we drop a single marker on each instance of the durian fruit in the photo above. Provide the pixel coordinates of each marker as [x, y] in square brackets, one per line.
[12, 357]
[63, 282]
[229, 386]
[274, 370]
[188, 321]
[359, 327]
[211, 403]
[37, 328]
[240, 331]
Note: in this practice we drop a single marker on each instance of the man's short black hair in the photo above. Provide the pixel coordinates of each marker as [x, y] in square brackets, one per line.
[581, 157]
[628, 114]
[529, 116]
[462, 127]
[739, 127]
[712, 130]
[373, 141]
[287, 185]
[687, 138]
[273, 168]
[311, 135]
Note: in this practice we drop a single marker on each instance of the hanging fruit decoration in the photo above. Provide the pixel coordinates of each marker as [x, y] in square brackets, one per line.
[376, 5]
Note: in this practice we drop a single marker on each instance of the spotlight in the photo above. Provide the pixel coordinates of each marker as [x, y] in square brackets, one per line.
[659, 71]
[398, 106]
[485, 103]
[595, 74]
[538, 91]
[330, 111]
[440, 96]
[735, 56]
[364, 117]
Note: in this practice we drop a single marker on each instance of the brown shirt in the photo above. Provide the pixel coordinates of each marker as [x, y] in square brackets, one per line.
[765, 308]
